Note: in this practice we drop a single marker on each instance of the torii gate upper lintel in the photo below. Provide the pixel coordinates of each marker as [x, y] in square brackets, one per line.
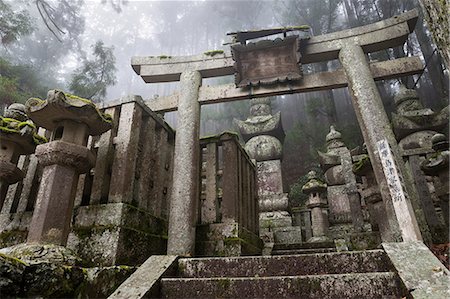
[350, 47]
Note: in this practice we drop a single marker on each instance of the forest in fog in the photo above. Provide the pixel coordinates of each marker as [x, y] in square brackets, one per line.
[85, 47]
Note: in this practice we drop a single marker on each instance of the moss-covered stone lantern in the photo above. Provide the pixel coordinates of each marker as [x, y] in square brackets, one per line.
[71, 120]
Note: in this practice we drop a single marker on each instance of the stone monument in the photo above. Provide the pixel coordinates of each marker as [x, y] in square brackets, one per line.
[264, 136]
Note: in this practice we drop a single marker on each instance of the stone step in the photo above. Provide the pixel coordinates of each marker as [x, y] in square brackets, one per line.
[285, 265]
[302, 251]
[360, 285]
[295, 246]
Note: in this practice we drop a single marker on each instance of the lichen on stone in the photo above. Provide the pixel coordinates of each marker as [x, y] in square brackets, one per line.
[213, 52]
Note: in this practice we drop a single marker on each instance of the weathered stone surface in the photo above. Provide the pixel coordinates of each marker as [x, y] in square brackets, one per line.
[10, 173]
[102, 282]
[420, 271]
[52, 280]
[144, 282]
[368, 285]
[11, 271]
[264, 147]
[369, 109]
[226, 239]
[35, 254]
[269, 177]
[273, 202]
[66, 154]
[116, 234]
[182, 219]
[289, 265]
[53, 209]
[58, 106]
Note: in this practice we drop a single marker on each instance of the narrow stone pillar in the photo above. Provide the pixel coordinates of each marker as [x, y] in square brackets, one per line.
[376, 129]
[317, 203]
[72, 120]
[182, 218]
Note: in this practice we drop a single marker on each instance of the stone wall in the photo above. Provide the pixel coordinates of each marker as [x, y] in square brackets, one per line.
[121, 205]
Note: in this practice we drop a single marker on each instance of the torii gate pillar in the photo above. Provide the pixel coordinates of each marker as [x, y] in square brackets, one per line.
[376, 130]
[182, 220]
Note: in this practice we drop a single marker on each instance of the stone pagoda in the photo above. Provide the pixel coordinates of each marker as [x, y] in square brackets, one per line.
[345, 212]
[264, 135]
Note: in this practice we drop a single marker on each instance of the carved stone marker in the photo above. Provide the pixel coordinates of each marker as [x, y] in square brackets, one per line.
[72, 120]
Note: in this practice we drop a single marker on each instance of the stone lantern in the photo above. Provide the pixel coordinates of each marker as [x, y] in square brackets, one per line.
[315, 189]
[437, 165]
[71, 120]
[17, 137]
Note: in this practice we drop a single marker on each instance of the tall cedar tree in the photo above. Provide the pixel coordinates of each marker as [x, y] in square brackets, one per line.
[94, 76]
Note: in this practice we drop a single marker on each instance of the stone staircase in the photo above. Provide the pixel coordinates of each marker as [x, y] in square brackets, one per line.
[358, 274]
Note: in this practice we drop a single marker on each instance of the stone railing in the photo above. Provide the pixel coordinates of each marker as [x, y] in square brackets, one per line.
[228, 209]
[122, 203]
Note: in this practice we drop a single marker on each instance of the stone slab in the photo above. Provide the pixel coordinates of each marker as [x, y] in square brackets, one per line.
[420, 271]
[355, 285]
[288, 265]
[144, 282]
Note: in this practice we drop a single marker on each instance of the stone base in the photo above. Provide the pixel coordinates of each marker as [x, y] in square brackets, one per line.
[226, 239]
[288, 235]
[14, 228]
[320, 239]
[365, 241]
[343, 231]
[116, 234]
[274, 219]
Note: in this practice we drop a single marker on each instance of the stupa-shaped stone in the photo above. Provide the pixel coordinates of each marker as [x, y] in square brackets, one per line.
[264, 135]
[71, 120]
[343, 198]
[17, 137]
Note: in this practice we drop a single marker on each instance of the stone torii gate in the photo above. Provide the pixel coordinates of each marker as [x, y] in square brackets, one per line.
[350, 47]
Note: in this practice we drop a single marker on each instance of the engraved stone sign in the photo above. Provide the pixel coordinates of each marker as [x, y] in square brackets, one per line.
[267, 61]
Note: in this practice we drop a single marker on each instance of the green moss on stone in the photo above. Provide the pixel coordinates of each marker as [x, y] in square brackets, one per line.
[164, 57]
[213, 52]
[13, 260]
[360, 164]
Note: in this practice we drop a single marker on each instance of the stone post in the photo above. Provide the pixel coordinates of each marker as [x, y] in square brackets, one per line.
[315, 189]
[379, 137]
[17, 137]
[414, 126]
[438, 165]
[72, 120]
[182, 217]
